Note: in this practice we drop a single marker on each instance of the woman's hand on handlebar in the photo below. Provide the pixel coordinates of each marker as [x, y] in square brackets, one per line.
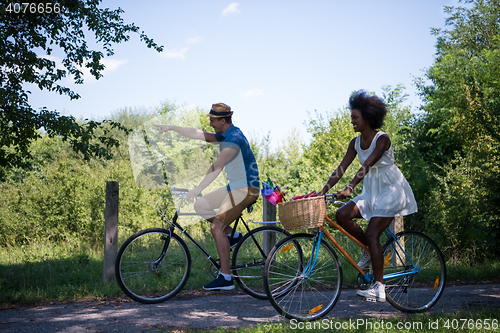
[345, 193]
[320, 194]
[340, 195]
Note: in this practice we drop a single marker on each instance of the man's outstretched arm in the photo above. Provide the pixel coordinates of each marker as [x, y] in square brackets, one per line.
[192, 133]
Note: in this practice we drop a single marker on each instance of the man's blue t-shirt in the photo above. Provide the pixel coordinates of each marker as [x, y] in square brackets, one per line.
[242, 170]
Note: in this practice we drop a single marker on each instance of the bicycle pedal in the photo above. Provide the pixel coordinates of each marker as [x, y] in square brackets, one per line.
[370, 299]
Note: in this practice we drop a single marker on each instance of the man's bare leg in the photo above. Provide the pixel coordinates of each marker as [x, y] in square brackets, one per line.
[219, 233]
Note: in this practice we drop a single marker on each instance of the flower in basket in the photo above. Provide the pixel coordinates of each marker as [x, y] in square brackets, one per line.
[308, 195]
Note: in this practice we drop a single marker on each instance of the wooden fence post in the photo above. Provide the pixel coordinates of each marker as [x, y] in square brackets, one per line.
[269, 214]
[396, 226]
[111, 230]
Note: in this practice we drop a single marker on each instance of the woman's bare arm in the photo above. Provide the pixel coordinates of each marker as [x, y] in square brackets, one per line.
[382, 145]
[339, 172]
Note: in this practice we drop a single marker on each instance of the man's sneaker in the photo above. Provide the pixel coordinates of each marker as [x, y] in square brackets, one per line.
[376, 292]
[220, 284]
[234, 240]
[365, 261]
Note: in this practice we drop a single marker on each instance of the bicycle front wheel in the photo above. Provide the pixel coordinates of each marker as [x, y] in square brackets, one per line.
[416, 280]
[250, 256]
[153, 265]
[303, 277]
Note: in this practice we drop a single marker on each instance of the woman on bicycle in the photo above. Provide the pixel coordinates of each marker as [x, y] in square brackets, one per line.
[386, 193]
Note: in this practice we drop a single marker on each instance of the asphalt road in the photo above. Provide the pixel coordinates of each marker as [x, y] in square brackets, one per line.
[212, 310]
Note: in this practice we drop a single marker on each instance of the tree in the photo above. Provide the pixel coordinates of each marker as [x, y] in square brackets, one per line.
[458, 134]
[462, 100]
[461, 89]
[28, 39]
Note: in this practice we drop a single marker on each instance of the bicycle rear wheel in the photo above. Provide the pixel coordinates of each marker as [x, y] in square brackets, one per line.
[300, 285]
[422, 288]
[250, 256]
[153, 265]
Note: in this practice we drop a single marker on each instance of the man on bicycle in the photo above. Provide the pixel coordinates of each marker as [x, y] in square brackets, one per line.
[242, 173]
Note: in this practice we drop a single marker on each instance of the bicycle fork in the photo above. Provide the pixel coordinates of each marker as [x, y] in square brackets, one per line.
[155, 265]
[314, 256]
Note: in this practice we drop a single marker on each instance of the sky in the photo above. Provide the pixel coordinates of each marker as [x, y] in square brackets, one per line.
[274, 62]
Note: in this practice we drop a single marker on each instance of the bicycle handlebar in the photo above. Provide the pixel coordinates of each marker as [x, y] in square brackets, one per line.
[181, 191]
[175, 189]
[163, 199]
[332, 198]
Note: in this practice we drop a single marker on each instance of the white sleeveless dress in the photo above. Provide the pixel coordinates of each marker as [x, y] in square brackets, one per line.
[386, 192]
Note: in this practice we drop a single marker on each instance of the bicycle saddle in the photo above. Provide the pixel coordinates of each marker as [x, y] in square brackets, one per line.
[250, 207]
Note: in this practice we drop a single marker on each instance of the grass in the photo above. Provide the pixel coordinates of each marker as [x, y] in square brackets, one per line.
[54, 272]
[38, 273]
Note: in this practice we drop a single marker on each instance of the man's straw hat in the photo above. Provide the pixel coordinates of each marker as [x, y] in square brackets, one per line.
[220, 110]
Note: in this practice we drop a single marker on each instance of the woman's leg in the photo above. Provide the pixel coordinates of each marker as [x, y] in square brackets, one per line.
[376, 226]
[345, 216]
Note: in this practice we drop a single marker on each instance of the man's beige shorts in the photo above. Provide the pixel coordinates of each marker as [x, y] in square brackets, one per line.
[230, 204]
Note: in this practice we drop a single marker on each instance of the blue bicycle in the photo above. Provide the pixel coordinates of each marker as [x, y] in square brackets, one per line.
[303, 275]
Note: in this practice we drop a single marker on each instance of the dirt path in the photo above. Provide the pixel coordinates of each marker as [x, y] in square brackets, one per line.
[210, 310]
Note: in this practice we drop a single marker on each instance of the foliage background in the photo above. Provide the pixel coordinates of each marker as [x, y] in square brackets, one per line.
[61, 199]
[448, 150]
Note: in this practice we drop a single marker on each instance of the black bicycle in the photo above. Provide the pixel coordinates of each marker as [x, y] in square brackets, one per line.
[154, 264]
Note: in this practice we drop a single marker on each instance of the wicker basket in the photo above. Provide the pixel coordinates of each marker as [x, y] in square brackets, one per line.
[302, 214]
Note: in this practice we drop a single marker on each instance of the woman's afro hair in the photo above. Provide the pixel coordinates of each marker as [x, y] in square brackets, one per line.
[372, 108]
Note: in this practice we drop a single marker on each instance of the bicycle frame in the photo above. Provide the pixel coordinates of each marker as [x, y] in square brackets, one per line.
[303, 275]
[174, 225]
[367, 277]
